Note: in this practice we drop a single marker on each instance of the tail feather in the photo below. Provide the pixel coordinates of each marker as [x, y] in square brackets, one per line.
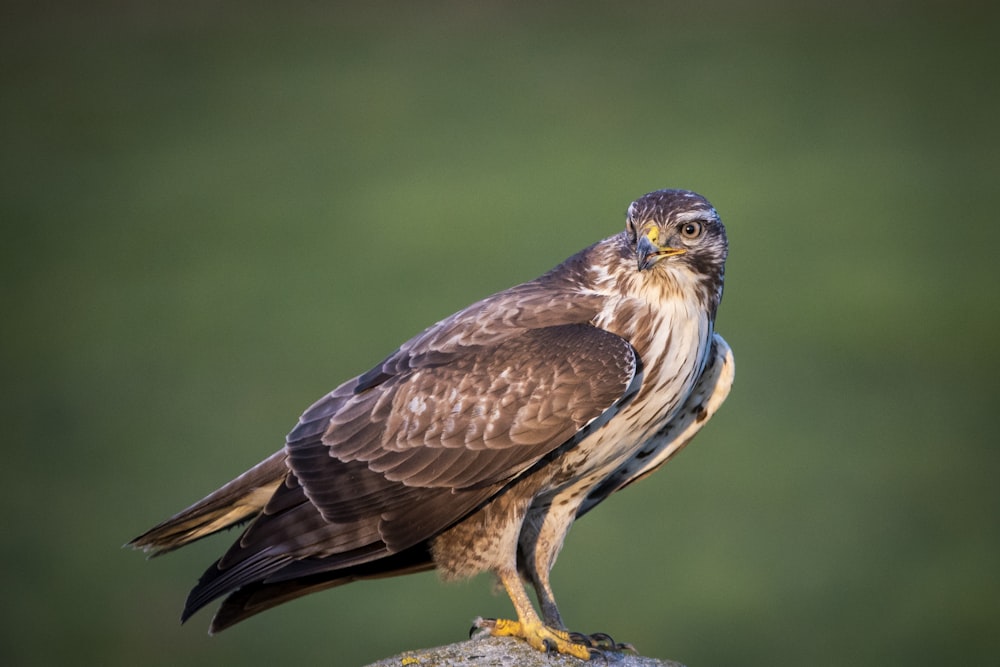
[239, 500]
[260, 596]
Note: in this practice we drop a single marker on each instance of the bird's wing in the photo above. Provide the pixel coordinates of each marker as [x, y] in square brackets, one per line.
[708, 394]
[377, 469]
[464, 420]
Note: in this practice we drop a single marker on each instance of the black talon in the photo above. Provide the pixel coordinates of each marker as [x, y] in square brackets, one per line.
[550, 646]
[580, 638]
[603, 639]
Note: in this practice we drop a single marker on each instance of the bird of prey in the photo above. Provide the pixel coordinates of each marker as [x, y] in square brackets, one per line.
[475, 445]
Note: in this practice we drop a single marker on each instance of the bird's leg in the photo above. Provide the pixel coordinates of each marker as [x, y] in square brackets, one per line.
[529, 626]
[546, 598]
[541, 540]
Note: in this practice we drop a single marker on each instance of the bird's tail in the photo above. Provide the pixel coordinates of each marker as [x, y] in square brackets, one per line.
[239, 500]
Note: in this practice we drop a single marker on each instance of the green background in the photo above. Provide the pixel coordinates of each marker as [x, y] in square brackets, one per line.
[213, 213]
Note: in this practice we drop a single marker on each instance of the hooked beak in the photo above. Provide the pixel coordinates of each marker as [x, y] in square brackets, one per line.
[648, 253]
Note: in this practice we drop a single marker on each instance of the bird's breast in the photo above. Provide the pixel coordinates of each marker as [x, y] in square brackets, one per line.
[672, 341]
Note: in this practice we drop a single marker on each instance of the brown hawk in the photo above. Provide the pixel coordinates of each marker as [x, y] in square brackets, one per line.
[476, 444]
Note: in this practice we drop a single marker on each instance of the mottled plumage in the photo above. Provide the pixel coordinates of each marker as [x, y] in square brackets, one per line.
[476, 444]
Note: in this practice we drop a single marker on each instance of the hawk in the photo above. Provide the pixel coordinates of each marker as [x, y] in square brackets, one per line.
[476, 444]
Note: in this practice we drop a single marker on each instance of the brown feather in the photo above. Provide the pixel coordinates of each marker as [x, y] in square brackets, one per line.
[482, 437]
[239, 500]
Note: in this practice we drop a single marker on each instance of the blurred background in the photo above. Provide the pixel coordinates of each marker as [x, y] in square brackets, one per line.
[214, 213]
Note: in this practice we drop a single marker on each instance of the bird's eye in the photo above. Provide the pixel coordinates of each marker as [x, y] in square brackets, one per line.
[691, 230]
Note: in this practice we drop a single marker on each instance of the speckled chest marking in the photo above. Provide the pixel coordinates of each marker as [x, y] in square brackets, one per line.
[679, 339]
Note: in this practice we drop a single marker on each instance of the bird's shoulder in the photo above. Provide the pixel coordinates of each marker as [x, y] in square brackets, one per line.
[574, 292]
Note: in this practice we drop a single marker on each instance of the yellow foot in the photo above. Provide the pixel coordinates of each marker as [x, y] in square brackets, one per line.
[540, 637]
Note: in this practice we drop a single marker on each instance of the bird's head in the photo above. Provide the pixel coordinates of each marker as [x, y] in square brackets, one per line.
[677, 233]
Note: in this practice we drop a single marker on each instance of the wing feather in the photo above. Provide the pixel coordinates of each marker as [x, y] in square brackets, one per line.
[552, 382]
[390, 459]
